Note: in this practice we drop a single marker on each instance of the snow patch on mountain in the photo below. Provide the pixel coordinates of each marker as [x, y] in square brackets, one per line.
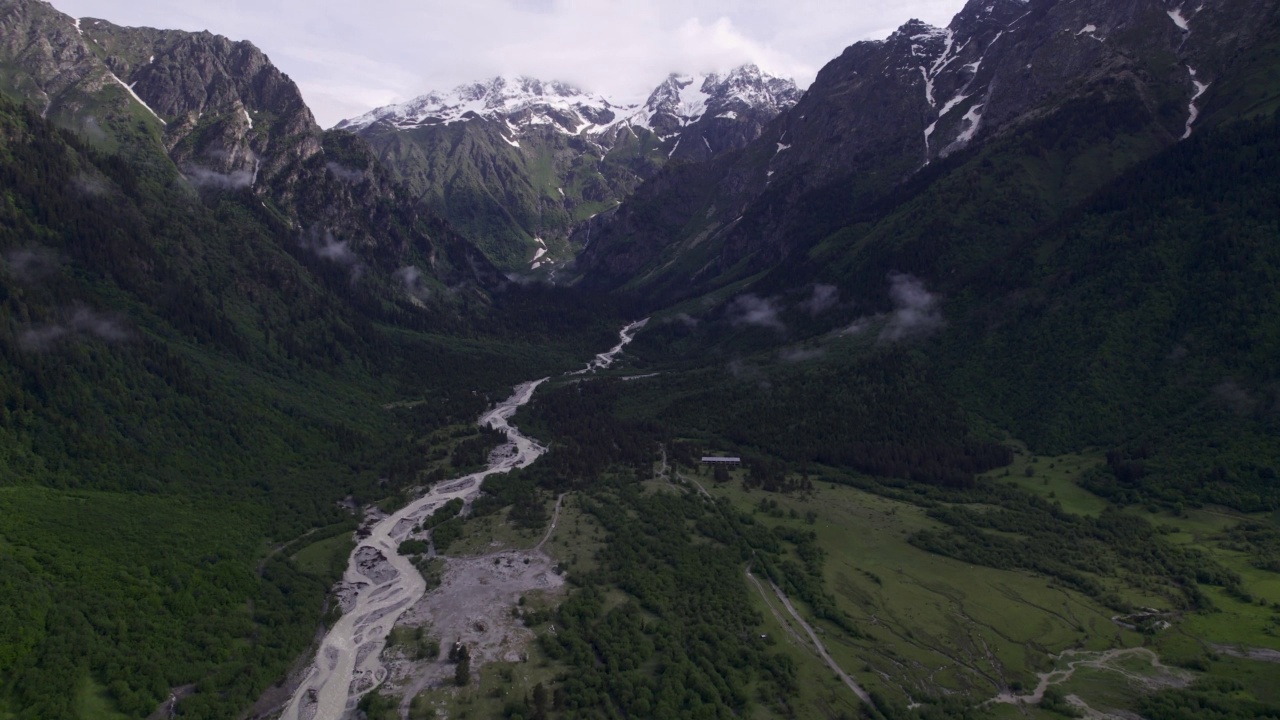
[129, 89]
[519, 101]
[523, 102]
[1193, 112]
[972, 119]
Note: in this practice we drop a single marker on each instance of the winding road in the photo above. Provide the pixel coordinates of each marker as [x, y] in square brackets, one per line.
[384, 585]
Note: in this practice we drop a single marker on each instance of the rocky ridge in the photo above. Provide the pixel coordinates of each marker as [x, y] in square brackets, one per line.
[229, 121]
[884, 110]
[479, 155]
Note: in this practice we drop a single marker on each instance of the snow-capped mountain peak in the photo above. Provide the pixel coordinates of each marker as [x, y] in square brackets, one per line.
[522, 103]
[685, 99]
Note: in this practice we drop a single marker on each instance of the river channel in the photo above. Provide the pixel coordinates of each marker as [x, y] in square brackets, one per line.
[380, 584]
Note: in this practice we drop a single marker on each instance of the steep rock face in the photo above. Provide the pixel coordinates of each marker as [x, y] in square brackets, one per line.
[518, 163]
[230, 116]
[54, 58]
[711, 114]
[229, 121]
[203, 91]
[883, 110]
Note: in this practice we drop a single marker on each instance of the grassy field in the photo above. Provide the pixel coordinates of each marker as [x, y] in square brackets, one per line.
[492, 534]
[326, 558]
[1054, 478]
[934, 626]
[492, 688]
[576, 539]
[930, 628]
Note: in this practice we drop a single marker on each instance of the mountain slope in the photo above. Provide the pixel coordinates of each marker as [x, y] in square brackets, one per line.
[199, 360]
[1136, 318]
[884, 110]
[517, 163]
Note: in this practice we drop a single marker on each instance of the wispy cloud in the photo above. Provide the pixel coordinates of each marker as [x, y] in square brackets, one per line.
[323, 244]
[752, 309]
[410, 279]
[822, 299]
[916, 312]
[800, 354]
[77, 324]
[29, 265]
[345, 174]
[87, 185]
[206, 179]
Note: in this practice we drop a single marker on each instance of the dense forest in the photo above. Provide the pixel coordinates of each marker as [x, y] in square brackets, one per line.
[185, 390]
[191, 394]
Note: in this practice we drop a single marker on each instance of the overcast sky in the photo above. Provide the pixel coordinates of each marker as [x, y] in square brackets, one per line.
[350, 56]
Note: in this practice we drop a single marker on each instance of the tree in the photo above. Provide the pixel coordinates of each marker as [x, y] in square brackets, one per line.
[539, 702]
[462, 673]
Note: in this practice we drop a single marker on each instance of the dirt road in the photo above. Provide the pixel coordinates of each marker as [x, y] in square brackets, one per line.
[813, 636]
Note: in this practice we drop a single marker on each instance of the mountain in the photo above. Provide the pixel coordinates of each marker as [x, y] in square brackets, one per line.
[517, 163]
[216, 322]
[228, 120]
[222, 327]
[1064, 274]
[1145, 74]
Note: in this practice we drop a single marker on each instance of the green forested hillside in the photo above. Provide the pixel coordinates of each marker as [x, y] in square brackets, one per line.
[186, 384]
[1139, 318]
[1147, 319]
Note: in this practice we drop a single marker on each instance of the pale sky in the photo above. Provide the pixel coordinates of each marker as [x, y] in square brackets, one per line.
[351, 56]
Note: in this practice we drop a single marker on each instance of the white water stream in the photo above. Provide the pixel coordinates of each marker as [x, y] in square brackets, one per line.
[347, 664]
[605, 359]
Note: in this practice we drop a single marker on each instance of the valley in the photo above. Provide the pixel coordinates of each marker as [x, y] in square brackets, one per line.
[986, 316]
[380, 585]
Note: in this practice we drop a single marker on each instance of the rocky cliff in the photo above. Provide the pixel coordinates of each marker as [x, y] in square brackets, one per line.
[885, 110]
[229, 121]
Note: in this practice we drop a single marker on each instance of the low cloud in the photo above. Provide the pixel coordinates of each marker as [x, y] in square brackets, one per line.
[753, 310]
[87, 185]
[345, 174]
[323, 244]
[410, 279]
[916, 312]
[93, 130]
[795, 355]
[1230, 396]
[76, 325]
[206, 179]
[685, 319]
[823, 298]
[857, 327]
[328, 247]
[29, 265]
[740, 370]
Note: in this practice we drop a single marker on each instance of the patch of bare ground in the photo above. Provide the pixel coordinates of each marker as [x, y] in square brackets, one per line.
[1248, 653]
[475, 605]
[1157, 677]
